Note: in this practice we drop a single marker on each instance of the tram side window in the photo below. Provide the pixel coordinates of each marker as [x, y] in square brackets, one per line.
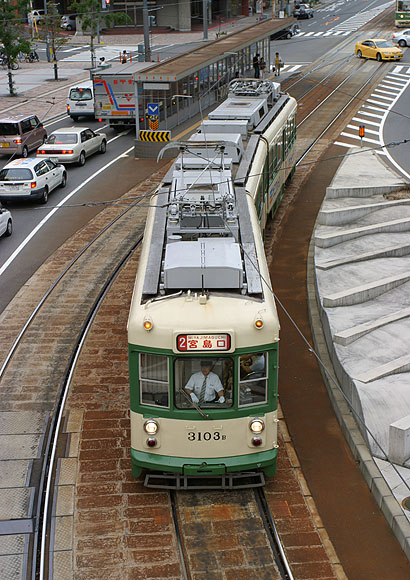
[206, 382]
[253, 373]
[153, 380]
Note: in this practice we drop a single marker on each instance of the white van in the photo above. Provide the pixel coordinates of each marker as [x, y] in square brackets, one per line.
[80, 101]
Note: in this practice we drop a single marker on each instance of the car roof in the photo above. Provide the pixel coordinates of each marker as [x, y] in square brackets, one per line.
[376, 40]
[24, 163]
[15, 118]
[69, 130]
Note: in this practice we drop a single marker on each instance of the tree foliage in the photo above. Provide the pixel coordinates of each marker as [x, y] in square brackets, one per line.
[51, 33]
[92, 17]
[12, 34]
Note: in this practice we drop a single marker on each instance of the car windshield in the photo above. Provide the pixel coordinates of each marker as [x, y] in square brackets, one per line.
[385, 44]
[15, 174]
[9, 129]
[81, 94]
[62, 139]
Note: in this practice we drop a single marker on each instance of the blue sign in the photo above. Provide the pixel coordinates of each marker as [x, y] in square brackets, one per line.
[153, 109]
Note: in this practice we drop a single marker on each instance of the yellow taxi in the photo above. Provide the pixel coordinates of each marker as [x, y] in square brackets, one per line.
[378, 48]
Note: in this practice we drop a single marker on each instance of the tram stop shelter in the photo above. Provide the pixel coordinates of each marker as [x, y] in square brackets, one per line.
[177, 89]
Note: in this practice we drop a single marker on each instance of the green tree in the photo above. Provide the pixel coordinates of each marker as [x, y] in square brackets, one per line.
[12, 35]
[51, 32]
[91, 16]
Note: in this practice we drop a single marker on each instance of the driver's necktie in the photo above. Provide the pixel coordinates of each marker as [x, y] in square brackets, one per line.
[202, 393]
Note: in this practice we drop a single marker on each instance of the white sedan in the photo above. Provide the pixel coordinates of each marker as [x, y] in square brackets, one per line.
[72, 145]
[6, 223]
[31, 179]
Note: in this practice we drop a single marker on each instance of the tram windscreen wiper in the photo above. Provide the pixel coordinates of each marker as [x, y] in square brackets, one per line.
[197, 407]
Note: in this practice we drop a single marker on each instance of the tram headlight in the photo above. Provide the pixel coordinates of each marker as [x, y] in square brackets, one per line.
[257, 426]
[151, 426]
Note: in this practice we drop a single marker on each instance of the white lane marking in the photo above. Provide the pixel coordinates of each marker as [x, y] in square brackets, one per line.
[371, 114]
[345, 145]
[356, 128]
[53, 211]
[363, 138]
[366, 121]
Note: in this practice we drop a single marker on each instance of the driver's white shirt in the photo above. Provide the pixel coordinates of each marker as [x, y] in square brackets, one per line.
[213, 385]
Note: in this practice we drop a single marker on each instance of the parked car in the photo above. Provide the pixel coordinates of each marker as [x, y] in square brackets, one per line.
[6, 222]
[20, 134]
[31, 179]
[378, 48]
[68, 22]
[402, 37]
[35, 16]
[302, 11]
[73, 145]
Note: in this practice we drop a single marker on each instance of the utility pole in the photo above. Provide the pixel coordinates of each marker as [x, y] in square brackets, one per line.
[145, 17]
[205, 18]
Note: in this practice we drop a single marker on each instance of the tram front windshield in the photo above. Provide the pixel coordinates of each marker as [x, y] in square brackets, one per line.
[209, 382]
[204, 382]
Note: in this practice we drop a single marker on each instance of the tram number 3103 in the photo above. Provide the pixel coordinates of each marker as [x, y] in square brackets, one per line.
[206, 436]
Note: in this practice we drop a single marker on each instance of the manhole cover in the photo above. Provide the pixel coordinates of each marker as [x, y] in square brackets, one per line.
[406, 503]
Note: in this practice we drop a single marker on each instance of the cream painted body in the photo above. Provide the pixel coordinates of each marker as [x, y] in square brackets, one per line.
[222, 312]
[172, 436]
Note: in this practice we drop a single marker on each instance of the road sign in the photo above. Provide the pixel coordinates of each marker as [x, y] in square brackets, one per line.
[155, 136]
[153, 109]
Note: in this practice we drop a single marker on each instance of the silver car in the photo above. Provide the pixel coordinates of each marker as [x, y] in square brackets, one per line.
[72, 145]
[402, 37]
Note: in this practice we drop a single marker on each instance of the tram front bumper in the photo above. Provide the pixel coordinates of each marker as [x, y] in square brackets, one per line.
[204, 469]
[186, 465]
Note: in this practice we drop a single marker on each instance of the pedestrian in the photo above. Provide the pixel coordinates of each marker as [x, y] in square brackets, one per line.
[124, 57]
[256, 66]
[262, 67]
[278, 64]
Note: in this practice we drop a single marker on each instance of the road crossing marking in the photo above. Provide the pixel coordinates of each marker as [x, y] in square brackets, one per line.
[374, 111]
[350, 25]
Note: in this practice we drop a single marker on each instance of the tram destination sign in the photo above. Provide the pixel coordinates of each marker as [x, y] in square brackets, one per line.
[203, 342]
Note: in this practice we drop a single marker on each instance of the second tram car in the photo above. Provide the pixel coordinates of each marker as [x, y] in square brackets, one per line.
[203, 329]
[402, 16]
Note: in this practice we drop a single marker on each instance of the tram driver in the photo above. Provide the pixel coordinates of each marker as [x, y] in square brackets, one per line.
[204, 386]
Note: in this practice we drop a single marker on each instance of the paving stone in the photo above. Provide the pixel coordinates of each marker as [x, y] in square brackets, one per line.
[13, 544]
[63, 565]
[11, 567]
[14, 473]
[19, 446]
[15, 503]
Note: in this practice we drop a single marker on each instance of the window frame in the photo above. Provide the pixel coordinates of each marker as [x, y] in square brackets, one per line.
[141, 380]
[265, 378]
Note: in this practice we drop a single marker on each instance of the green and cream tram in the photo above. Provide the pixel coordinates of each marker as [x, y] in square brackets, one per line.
[203, 329]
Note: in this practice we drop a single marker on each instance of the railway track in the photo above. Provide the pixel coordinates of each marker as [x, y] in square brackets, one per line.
[251, 513]
[139, 522]
[61, 296]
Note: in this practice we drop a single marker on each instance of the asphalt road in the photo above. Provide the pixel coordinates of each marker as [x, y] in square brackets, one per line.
[106, 177]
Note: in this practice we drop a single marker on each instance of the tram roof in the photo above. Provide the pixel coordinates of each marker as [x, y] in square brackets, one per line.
[181, 66]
